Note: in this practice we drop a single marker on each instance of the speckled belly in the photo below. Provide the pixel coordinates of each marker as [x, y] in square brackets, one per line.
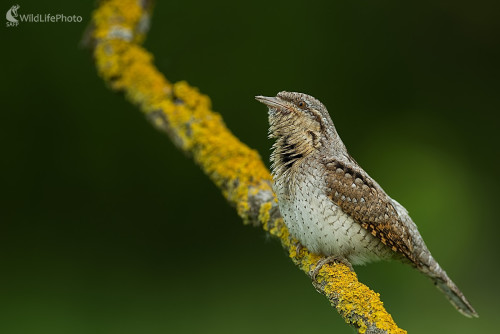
[320, 225]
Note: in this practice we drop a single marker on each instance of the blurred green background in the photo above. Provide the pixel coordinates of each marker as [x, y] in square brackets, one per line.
[107, 228]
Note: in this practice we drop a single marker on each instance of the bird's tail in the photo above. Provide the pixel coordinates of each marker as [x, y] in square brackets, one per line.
[454, 295]
[432, 269]
[427, 265]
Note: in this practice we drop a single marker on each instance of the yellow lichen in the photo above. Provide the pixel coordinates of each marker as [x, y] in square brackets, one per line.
[123, 13]
[264, 212]
[356, 297]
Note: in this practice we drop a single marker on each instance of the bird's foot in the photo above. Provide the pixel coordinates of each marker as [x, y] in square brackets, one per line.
[298, 248]
[330, 259]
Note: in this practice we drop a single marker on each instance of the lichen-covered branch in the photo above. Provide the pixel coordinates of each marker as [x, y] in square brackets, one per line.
[186, 116]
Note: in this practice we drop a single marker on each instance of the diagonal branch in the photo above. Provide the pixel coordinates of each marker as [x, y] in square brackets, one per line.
[185, 115]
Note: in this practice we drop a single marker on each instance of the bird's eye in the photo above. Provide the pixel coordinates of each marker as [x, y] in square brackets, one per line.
[301, 104]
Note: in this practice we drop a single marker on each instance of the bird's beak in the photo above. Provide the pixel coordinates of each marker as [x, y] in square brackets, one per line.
[271, 102]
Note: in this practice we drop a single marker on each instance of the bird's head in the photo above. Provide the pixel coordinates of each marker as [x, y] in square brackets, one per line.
[301, 125]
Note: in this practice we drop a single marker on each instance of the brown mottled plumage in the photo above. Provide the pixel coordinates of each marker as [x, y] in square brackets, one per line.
[369, 205]
[331, 205]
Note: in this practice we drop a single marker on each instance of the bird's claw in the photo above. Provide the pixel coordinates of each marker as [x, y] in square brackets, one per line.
[298, 248]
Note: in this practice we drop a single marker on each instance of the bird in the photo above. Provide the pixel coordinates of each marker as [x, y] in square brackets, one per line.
[331, 205]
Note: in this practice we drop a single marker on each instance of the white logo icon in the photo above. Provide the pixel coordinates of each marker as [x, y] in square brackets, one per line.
[12, 16]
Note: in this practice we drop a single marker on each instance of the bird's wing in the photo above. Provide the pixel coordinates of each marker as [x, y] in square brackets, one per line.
[366, 202]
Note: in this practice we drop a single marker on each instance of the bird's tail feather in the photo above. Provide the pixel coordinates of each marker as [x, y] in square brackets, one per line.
[454, 295]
